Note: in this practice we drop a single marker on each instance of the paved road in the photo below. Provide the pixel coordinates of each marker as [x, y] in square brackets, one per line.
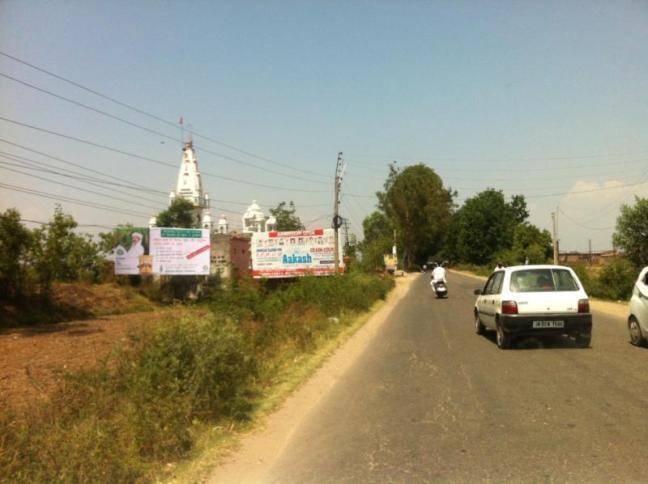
[431, 400]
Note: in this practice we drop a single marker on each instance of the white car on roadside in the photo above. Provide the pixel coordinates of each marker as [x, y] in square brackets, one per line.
[533, 300]
[638, 318]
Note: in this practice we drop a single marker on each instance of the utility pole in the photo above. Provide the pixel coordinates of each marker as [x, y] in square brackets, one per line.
[554, 237]
[589, 243]
[336, 210]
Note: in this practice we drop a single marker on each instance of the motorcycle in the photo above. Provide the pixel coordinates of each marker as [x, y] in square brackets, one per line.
[440, 289]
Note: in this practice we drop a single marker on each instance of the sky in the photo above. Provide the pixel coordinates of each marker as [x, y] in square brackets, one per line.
[545, 99]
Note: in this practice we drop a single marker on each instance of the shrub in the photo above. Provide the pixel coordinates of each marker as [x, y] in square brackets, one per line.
[616, 280]
[107, 424]
[147, 403]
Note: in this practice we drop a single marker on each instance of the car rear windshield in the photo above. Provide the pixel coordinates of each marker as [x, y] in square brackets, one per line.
[542, 280]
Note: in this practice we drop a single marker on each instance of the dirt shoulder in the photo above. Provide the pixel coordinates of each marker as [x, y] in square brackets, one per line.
[611, 308]
[34, 357]
[262, 446]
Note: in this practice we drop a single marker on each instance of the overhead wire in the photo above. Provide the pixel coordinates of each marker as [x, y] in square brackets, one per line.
[152, 160]
[157, 118]
[45, 168]
[74, 201]
[9, 167]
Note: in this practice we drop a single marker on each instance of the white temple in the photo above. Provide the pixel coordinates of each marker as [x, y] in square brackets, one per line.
[254, 220]
[223, 224]
[189, 187]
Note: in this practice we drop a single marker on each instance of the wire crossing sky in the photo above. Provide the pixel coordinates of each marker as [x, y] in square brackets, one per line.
[546, 99]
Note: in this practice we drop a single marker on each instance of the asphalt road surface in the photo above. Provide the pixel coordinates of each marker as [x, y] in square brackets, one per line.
[431, 400]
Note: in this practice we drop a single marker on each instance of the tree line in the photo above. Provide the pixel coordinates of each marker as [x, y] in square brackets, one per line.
[420, 215]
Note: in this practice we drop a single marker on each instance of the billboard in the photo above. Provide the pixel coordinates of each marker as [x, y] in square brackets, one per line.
[292, 254]
[180, 251]
[132, 245]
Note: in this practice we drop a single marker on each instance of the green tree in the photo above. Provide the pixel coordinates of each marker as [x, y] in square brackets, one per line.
[109, 240]
[419, 208]
[631, 233]
[485, 225]
[529, 243]
[286, 217]
[15, 242]
[181, 213]
[59, 254]
[378, 240]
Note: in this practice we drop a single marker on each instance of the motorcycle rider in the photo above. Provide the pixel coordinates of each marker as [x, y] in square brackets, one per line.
[438, 274]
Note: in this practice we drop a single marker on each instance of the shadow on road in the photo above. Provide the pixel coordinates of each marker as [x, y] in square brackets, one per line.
[545, 343]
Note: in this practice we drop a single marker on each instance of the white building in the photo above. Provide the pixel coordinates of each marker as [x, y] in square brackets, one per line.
[254, 220]
[223, 225]
[189, 187]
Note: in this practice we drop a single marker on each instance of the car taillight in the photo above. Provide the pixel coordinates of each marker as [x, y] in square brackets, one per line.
[583, 306]
[509, 307]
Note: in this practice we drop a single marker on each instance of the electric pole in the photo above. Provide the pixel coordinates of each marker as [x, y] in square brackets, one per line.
[554, 238]
[589, 243]
[336, 210]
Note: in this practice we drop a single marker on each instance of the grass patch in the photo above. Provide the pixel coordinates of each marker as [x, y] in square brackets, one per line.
[153, 401]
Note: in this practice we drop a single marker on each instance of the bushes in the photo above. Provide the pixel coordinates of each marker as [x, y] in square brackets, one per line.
[616, 280]
[148, 402]
[140, 407]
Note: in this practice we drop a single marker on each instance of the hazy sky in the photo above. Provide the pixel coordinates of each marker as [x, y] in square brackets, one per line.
[540, 98]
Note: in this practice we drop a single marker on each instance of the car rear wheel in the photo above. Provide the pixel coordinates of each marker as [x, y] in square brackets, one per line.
[636, 337]
[584, 340]
[504, 339]
[479, 327]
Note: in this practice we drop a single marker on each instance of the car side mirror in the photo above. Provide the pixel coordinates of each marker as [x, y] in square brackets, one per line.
[478, 292]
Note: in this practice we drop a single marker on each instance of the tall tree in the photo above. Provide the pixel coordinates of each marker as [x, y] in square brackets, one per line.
[286, 217]
[181, 213]
[378, 240]
[60, 254]
[631, 233]
[419, 207]
[15, 241]
[485, 225]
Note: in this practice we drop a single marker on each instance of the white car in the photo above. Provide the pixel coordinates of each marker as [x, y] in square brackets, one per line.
[638, 318]
[533, 300]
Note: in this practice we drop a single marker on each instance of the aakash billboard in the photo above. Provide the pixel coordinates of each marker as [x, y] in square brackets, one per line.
[293, 254]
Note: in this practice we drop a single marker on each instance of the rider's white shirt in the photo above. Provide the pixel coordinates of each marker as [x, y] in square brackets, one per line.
[439, 274]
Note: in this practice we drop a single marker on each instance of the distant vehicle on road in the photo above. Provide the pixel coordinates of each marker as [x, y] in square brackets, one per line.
[638, 318]
[533, 300]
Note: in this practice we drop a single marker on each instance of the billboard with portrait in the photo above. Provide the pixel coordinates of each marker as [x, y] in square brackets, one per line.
[132, 245]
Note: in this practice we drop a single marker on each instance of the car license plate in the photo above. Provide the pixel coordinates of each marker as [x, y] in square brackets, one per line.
[548, 324]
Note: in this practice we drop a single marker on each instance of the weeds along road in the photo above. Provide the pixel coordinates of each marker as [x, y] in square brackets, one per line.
[431, 400]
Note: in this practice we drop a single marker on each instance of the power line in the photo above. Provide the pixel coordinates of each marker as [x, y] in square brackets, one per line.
[43, 167]
[582, 225]
[584, 191]
[75, 201]
[39, 222]
[419, 159]
[61, 160]
[152, 160]
[153, 116]
[8, 167]
[148, 130]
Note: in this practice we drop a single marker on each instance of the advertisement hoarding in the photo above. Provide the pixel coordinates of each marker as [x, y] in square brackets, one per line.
[180, 251]
[132, 244]
[293, 254]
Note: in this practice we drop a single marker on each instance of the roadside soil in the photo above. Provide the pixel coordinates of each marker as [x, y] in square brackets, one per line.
[34, 357]
[262, 445]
